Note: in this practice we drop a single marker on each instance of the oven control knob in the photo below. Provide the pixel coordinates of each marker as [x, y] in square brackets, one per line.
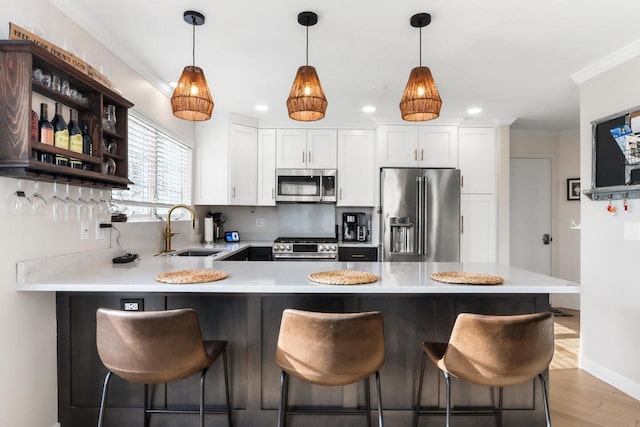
[278, 247]
[333, 248]
[275, 247]
[288, 247]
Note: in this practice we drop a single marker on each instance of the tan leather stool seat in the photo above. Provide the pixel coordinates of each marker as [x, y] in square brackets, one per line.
[495, 351]
[330, 349]
[153, 347]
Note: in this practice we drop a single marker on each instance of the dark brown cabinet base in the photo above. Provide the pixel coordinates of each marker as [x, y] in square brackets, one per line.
[250, 323]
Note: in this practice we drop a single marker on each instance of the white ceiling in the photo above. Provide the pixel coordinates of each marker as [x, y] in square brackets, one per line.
[513, 58]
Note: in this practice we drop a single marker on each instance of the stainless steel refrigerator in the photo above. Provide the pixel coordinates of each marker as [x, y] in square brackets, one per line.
[420, 214]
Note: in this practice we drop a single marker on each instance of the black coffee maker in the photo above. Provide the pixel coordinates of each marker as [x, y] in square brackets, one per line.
[351, 223]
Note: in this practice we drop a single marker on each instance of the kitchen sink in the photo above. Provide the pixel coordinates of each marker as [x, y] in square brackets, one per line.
[197, 252]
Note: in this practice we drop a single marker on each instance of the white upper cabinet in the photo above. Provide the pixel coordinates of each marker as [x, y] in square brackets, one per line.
[226, 156]
[356, 168]
[266, 167]
[477, 160]
[398, 146]
[243, 165]
[306, 149]
[418, 146]
[438, 147]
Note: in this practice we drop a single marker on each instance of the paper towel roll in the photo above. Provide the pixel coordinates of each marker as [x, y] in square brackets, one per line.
[208, 230]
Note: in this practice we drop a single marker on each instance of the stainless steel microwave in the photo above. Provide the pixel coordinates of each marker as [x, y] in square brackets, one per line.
[306, 185]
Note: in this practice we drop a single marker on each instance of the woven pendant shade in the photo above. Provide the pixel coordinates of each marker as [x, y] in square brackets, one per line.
[306, 101]
[191, 99]
[421, 100]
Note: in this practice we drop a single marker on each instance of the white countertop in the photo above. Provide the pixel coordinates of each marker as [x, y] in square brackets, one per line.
[94, 272]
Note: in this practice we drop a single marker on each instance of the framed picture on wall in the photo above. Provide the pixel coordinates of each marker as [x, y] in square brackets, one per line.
[573, 189]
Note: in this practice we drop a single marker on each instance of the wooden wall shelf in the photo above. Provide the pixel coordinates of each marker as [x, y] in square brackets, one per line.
[19, 154]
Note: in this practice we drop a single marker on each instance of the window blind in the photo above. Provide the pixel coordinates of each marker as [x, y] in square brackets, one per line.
[160, 168]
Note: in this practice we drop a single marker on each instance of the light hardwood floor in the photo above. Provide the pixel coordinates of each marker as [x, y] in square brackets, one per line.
[578, 399]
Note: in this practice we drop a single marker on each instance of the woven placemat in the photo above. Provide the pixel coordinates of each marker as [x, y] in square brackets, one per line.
[343, 277]
[467, 278]
[191, 276]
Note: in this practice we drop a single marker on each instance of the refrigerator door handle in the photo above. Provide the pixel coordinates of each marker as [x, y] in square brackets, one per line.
[419, 214]
[424, 218]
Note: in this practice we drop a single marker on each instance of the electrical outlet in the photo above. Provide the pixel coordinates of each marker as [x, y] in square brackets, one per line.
[260, 222]
[84, 230]
[132, 304]
[99, 231]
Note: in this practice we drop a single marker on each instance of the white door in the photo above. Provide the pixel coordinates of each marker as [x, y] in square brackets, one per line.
[530, 214]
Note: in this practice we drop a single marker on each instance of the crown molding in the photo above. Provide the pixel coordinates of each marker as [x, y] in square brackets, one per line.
[605, 64]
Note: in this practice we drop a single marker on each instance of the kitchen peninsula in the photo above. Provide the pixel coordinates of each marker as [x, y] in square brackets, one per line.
[245, 309]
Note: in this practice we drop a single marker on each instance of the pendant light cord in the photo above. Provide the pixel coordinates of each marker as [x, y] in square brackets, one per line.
[421, 46]
[307, 41]
[193, 43]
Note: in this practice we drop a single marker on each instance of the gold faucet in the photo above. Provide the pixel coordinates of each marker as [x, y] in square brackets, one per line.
[167, 231]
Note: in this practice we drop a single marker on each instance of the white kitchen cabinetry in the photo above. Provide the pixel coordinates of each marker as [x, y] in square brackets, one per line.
[226, 156]
[418, 146]
[477, 160]
[243, 165]
[306, 149]
[477, 163]
[267, 167]
[478, 228]
[356, 168]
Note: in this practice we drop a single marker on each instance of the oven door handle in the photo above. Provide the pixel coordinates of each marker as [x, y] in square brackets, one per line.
[321, 187]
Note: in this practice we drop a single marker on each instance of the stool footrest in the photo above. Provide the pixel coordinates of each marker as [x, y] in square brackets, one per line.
[186, 411]
[443, 411]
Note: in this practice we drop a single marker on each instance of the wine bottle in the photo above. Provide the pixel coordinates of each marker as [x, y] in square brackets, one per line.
[75, 139]
[45, 133]
[60, 135]
[87, 146]
[34, 126]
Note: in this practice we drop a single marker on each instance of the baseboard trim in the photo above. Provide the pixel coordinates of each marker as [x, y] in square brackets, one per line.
[612, 378]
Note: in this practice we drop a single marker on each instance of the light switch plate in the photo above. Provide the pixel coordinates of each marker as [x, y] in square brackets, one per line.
[84, 230]
[99, 231]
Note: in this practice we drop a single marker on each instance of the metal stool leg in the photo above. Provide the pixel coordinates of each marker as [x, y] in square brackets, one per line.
[226, 386]
[282, 414]
[500, 395]
[146, 406]
[203, 377]
[447, 380]
[424, 358]
[380, 424]
[367, 396]
[103, 400]
[543, 385]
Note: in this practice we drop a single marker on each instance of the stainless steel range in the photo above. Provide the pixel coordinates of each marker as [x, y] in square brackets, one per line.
[305, 249]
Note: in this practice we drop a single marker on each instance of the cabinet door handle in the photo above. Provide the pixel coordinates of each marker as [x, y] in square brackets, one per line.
[422, 154]
[309, 157]
[461, 181]
[341, 194]
[462, 224]
[303, 157]
[233, 192]
[357, 255]
[415, 154]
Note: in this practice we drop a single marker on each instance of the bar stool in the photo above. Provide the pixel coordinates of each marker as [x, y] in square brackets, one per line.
[154, 347]
[330, 349]
[495, 351]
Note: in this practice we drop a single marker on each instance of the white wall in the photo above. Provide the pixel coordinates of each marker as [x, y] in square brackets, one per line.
[610, 285]
[27, 320]
[563, 150]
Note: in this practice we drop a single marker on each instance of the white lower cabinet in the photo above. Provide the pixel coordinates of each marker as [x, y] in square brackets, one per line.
[478, 228]
[226, 157]
[356, 168]
[266, 167]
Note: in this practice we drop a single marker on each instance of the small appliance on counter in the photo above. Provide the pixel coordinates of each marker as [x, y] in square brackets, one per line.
[354, 227]
[218, 220]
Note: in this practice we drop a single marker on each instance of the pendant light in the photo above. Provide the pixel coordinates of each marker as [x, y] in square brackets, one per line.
[421, 100]
[191, 99]
[306, 102]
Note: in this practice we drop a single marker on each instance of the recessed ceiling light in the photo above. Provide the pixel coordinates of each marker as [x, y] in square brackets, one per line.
[369, 109]
[173, 84]
[262, 107]
[474, 110]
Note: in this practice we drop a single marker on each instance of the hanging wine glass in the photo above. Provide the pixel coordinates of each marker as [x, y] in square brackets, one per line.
[83, 207]
[38, 203]
[56, 205]
[19, 203]
[94, 206]
[105, 209]
[71, 211]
